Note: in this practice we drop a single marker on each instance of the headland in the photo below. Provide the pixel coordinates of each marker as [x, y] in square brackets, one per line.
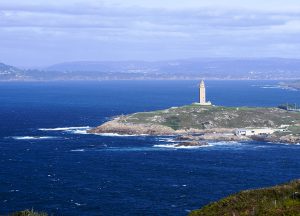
[199, 123]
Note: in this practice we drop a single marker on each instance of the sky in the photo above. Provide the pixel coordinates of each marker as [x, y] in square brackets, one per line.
[38, 33]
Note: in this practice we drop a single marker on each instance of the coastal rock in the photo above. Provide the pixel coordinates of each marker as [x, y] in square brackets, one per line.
[191, 144]
[291, 139]
[132, 129]
[223, 137]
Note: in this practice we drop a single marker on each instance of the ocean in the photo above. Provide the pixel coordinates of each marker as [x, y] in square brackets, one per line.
[49, 163]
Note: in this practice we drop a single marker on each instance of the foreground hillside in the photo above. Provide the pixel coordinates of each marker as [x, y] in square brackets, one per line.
[29, 213]
[213, 122]
[274, 201]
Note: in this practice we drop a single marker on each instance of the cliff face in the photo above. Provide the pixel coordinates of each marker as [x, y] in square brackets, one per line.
[274, 201]
[201, 119]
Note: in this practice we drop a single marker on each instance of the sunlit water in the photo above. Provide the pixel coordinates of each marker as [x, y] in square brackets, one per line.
[49, 163]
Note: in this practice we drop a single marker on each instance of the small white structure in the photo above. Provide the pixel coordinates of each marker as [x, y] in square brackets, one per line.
[254, 131]
[202, 95]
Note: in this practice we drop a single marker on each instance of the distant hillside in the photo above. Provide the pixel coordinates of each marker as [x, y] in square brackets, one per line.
[207, 68]
[213, 68]
[274, 201]
[8, 72]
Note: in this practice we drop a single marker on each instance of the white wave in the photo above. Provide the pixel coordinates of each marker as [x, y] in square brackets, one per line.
[74, 130]
[175, 146]
[79, 204]
[79, 131]
[65, 128]
[211, 144]
[169, 140]
[271, 87]
[77, 150]
[33, 137]
[278, 87]
[225, 143]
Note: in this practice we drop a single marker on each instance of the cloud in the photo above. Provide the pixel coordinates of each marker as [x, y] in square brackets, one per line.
[141, 29]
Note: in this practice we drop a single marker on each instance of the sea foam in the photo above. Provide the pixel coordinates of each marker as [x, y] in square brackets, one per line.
[65, 128]
[74, 130]
[175, 146]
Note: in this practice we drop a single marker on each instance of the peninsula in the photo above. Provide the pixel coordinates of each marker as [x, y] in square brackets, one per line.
[202, 121]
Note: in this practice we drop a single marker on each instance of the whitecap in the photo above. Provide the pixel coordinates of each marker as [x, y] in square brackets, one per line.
[77, 150]
[79, 204]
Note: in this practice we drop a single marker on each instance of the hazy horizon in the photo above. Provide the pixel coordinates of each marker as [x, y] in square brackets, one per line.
[42, 33]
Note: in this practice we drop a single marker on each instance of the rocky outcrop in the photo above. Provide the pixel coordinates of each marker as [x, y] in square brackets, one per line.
[291, 139]
[223, 137]
[191, 144]
[115, 126]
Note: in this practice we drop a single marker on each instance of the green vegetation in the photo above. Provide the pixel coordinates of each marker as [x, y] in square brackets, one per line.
[29, 213]
[206, 117]
[282, 200]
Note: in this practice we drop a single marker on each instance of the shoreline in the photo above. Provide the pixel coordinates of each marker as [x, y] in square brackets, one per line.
[188, 137]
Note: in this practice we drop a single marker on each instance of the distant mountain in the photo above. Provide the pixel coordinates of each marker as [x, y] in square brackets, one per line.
[207, 68]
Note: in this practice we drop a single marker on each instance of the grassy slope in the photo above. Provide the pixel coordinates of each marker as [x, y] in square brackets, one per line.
[28, 213]
[202, 117]
[273, 201]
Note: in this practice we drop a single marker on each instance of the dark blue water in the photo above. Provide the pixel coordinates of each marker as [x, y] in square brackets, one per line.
[64, 172]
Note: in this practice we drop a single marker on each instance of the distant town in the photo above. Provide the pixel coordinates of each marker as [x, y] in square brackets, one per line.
[190, 69]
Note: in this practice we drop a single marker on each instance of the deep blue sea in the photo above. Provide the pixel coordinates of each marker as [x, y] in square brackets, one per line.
[49, 164]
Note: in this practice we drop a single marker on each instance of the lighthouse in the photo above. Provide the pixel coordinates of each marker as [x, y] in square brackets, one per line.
[202, 95]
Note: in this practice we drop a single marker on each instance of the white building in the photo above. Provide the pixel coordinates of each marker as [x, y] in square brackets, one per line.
[254, 131]
[202, 95]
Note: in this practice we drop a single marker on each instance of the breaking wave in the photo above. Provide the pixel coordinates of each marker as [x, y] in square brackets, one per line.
[120, 135]
[210, 144]
[34, 137]
[175, 146]
[74, 130]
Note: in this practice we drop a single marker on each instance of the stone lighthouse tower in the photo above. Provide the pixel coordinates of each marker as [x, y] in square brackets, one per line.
[202, 94]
